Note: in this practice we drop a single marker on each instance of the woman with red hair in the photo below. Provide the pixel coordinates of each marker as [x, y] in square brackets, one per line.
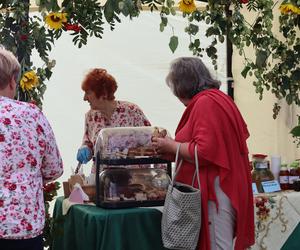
[100, 87]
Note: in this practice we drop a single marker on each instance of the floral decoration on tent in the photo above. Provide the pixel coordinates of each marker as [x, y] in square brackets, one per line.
[275, 67]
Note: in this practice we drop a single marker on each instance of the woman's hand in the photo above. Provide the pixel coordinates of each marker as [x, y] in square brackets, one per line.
[165, 145]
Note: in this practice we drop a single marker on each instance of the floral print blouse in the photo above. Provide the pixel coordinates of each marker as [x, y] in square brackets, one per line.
[29, 157]
[126, 114]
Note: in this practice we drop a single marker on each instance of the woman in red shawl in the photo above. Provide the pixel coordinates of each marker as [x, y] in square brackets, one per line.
[213, 122]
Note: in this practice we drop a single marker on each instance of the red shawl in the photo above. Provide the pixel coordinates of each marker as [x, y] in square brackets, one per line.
[213, 122]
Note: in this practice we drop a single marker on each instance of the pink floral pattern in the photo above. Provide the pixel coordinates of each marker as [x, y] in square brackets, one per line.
[126, 114]
[29, 158]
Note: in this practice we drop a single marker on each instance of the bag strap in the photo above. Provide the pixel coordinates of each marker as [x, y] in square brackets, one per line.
[197, 168]
[178, 166]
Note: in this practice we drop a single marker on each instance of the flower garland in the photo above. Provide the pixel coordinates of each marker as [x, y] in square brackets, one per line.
[275, 67]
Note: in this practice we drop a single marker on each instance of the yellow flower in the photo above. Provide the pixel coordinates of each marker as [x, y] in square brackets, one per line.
[55, 20]
[287, 8]
[29, 80]
[187, 6]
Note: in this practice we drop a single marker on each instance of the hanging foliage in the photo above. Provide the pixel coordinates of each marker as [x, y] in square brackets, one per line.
[276, 63]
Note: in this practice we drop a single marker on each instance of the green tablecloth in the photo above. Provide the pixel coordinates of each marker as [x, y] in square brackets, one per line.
[293, 242]
[88, 227]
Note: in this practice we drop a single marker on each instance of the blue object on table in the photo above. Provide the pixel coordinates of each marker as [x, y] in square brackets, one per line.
[254, 188]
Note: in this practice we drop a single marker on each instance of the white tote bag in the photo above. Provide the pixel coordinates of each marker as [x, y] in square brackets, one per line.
[181, 219]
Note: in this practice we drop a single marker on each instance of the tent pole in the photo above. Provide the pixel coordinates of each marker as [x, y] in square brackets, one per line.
[230, 82]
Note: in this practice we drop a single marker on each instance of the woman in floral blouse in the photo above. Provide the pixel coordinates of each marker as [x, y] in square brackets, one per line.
[29, 158]
[99, 88]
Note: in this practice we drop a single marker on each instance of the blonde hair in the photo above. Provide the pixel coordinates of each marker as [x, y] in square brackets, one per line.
[9, 67]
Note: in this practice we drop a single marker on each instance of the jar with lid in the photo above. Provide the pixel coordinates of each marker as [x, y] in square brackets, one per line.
[261, 171]
[294, 173]
[284, 177]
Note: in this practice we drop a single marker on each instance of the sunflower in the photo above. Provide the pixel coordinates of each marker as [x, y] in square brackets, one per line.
[187, 6]
[288, 7]
[55, 20]
[29, 80]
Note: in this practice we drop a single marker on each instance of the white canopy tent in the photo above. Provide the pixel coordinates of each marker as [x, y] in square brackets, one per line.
[137, 54]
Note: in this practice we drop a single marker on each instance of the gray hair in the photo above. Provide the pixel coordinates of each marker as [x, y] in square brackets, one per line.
[188, 76]
[9, 67]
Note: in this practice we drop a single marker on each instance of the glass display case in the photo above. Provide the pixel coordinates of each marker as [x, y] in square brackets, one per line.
[122, 187]
[129, 172]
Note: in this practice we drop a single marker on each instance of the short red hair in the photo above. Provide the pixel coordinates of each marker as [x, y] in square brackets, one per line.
[101, 83]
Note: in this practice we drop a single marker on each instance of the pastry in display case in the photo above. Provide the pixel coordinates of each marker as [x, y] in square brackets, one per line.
[127, 142]
[122, 187]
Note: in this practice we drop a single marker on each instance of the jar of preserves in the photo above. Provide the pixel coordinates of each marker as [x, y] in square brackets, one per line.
[261, 171]
[294, 174]
[284, 177]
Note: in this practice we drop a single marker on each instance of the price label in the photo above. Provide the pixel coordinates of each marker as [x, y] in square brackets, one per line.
[270, 186]
[254, 188]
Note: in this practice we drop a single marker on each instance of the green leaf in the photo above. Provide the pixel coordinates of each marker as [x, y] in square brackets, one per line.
[211, 51]
[285, 82]
[48, 73]
[55, 6]
[173, 44]
[212, 31]
[43, 89]
[295, 131]
[125, 11]
[109, 10]
[289, 99]
[207, 20]
[173, 11]
[161, 27]
[296, 75]
[197, 43]
[261, 58]
[164, 21]
[245, 71]
[194, 29]
[221, 38]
